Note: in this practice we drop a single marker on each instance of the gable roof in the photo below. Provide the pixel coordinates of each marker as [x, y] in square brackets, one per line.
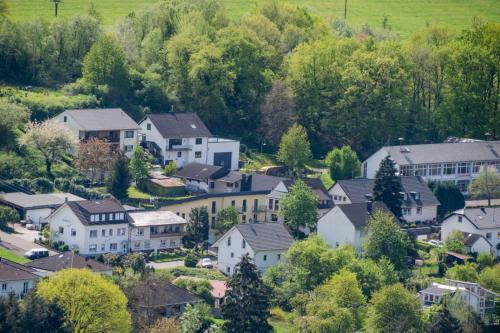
[84, 209]
[26, 201]
[315, 184]
[445, 152]
[265, 236]
[102, 119]
[11, 271]
[470, 239]
[179, 125]
[158, 293]
[358, 213]
[264, 182]
[481, 218]
[68, 259]
[356, 190]
[200, 171]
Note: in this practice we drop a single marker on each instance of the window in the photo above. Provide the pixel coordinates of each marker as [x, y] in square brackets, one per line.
[4, 286]
[183, 215]
[228, 270]
[103, 217]
[113, 246]
[163, 243]
[365, 169]
[121, 216]
[232, 254]
[214, 207]
[406, 170]
[93, 247]
[463, 168]
[111, 232]
[140, 232]
[270, 204]
[229, 185]
[148, 127]
[137, 245]
[448, 169]
[25, 287]
[212, 224]
[243, 244]
[212, 184]
[199, 141]
[279, 256]
[103, 247]
[406, 211]
[421, 170]
[121, 231]
[244, 218]
[460, 219]
[229, 241]
[117, 216]
[197, 154]
[73, 232]
[129, 134]
[244, 208]
[265, 257]
[93, 234]
[65, 119]
[463, 185]
[345, 198]
[255, 205]
[476, 166]
[435, 170]
[110, 217]
[103, 232]
[274, 217]
[179, 154]
[498, 237]
[146, 244]
[172, 243]
[233, 203]
[488, 235]
[128, 148]
[419, 210]
[61, 230]
[276, 205]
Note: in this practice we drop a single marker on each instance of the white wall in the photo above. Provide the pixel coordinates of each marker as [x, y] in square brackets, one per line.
[223, 146]
[128, 141]
[428, 213]
[39, 215]
[338, 195]
[224, 257]
[373, 163]
[481, 246]
[145, 242]
[273, 258]
[337, 229]
[15, 286]
[153, 135]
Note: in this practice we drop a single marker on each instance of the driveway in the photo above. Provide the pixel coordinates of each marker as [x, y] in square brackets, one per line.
[170, 264]
[21, 240]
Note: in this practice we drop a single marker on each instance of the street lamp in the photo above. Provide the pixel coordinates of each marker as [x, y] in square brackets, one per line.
[262, 144]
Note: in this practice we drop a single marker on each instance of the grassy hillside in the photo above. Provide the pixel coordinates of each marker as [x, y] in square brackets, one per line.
[404, 16]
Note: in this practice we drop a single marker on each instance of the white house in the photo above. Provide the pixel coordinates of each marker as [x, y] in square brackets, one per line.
[112, 125]
[419, 202]
[483, 221]
[347, 224]
[476, 243]
[35, 208]
[184, 138]
[265, 243]
[459, 162]
[156, 230]
[471, 294]
[91, 226]
[49, 265]
[15, 278]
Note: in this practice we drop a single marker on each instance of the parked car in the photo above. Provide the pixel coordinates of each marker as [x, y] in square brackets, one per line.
[434, 242]
[37, 253]
[206, 263]
[30, 226]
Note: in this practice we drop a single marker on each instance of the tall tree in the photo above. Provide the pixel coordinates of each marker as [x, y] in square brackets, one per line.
[139, 165]
[442, 321]
[74, 289]
[226, 219]
[294, 149]
[7, 215]
[246, 306]
[119, 181]
[385, 239]
[197, 229]
[52, 139]
[343, 163]
[41, 316]
[94, 158]
[394, 309]
[487, 185]
[3, 8]
[449, 196]
[12, 116]
[299, 208]
[387, 187]
[455, 241]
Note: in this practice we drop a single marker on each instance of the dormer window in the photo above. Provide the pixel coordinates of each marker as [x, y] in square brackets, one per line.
[110, 217]
[103, 217]
[117, 216]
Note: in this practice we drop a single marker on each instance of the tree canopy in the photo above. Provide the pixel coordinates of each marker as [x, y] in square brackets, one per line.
[343, 163]
[387, 187]
[299, 207]
[294, 150]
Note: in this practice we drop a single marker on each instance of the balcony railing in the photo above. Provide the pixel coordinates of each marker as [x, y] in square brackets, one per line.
[180, 147]
[165, 234]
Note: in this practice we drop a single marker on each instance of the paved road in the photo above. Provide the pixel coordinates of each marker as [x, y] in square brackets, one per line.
[171, 264]
[21, 240]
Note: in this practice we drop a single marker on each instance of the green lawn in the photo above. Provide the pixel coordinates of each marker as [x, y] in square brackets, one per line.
[202, 273]
[135, 193]
[4, 253]
[404, 16]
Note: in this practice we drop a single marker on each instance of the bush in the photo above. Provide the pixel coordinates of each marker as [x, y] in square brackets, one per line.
[485, 260]
[191, 260]
[42, 185]
[55, 245]
[64, 248]
[77, 187]
[7, 215]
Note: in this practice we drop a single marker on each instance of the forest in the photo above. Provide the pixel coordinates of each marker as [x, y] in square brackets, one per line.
[252, 78]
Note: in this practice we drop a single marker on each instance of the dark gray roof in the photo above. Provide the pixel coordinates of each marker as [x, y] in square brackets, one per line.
[482, 218]
[358, 213]
[264, 182]
[68, 259]
[179, 125]
[471, 239]
[445, 152]
[356, 190]
[84, 209]
[231, 177]
[11, 271]
[315, 184]
[102, 119]
[200, 171]
[158, 293]
[265, 236]
[26, 201]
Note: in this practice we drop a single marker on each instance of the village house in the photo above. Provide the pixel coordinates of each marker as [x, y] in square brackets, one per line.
[458, 162]
[347, 224]
[16, 278]
[112, 125]
[184, 138]
[265, 243]
[419, 203]
[49, 265]
[483, 222]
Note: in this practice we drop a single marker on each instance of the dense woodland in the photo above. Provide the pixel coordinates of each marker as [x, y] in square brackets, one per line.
[357, 86]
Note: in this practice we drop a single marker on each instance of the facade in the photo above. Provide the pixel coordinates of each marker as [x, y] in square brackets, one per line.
[200, 177]
[91, 226]
[458, 162]
[184, 138]
[112, 125]
[15, 278]
[346, 224]
[265, 243]
[49, 265]
[156, 230]
[481, 221]
[35, 208]
[471, 294]
[419, 202]
[476, 243]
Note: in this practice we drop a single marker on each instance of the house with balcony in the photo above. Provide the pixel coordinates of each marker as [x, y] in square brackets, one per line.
[111, 125]
[156, 230]
[184, 138]
[458, 162]
[419, 203]
[91, 226]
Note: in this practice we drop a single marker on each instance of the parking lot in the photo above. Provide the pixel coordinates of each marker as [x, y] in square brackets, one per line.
[21, 240]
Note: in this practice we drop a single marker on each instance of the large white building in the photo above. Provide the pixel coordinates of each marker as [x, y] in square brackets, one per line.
[265, 243]
[481, 221]
[459, 162]
[16, 278]
[92, 226]
[419, 203]
[112, 125]
[184, 138]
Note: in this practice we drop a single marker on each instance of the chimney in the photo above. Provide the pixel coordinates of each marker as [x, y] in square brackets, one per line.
[369, 206]
[65, 199]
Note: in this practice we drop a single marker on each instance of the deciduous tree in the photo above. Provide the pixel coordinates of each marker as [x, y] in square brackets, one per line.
[197, 230]
[343, 163]
[12, 116]
[94, 158]
[139, 165]
[443, 321]
[455, 241]
[120, 178]
[487, 185]
[294, 149]
[7, 215]
[387, 187]
[226, 219]
[449, 197]
[299, 207]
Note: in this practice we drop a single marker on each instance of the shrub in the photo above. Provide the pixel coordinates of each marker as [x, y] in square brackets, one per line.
[278, 314]
[55, 245]
[43, 185]
[64, 248]
[170, 168]
[485, 260]
[7, 215]
[191, 260]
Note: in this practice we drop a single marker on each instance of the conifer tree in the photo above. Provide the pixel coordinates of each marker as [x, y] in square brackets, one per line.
[387, 187]
[120, 178]
[246, 307]
[444, 322]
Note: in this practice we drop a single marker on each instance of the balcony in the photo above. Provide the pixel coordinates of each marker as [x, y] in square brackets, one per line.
[179, 147]
[165, 234]
[112, 137]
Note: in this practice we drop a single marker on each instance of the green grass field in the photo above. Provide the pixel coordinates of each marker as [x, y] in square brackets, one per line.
[4, 253]
[404, 16]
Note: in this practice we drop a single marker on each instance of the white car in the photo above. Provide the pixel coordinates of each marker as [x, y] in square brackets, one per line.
[206, 263]
[434, 242]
